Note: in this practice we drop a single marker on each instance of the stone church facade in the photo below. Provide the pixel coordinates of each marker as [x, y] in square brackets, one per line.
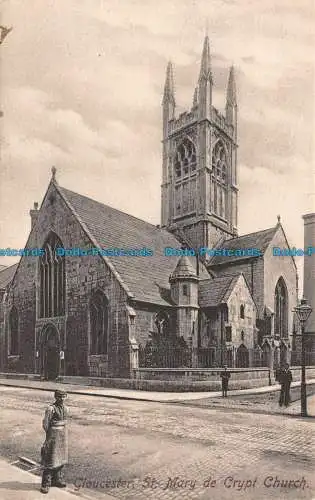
[106, 315]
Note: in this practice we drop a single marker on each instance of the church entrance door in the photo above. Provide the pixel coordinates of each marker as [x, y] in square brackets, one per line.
[242, 357]
[50, 353]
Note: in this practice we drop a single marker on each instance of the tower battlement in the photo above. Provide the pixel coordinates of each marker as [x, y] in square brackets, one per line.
[184, 119]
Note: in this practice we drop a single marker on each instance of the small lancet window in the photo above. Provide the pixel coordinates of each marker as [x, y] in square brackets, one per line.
[242, 312]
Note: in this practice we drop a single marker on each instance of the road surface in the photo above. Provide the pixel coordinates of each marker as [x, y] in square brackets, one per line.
[141, 450]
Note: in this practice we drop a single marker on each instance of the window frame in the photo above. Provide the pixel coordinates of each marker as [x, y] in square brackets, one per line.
[52, 279]
[16, 351]
[99, 334]
[219, 180]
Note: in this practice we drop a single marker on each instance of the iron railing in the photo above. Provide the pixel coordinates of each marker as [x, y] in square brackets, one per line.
[215, 357]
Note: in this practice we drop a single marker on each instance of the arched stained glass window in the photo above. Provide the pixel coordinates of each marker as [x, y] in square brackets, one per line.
[52, 279]
[99, 323]
[281, 309]
[13, 332]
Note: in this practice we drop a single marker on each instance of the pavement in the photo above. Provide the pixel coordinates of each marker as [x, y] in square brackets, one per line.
[158, 397]
[18, 484]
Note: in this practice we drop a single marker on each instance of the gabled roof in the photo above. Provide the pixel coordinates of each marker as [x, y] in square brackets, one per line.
[108, 227]
[259, 240]
[6, 275]
[213, 292]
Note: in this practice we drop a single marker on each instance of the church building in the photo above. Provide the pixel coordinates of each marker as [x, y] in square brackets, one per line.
[106, 314]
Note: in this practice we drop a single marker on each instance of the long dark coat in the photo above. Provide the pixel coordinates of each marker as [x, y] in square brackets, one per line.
[54, 452]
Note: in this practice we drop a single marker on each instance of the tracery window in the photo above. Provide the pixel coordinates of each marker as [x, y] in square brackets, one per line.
[281, 309]
[99, 323]
[219, 180]
[13, 332]
[52, 279]
[185, 159]
[185, 164]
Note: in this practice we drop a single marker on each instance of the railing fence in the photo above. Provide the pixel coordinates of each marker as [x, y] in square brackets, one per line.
[174, 357]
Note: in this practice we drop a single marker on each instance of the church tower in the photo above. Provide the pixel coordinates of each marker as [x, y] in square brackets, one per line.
[199, 182]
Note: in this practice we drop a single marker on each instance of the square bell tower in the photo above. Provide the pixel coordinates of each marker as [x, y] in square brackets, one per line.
[199, 182]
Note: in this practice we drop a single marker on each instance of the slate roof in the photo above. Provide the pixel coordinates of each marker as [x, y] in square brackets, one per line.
[213, 292]
[184, 269]
[145, 277]
[259, 240]
[6, 275]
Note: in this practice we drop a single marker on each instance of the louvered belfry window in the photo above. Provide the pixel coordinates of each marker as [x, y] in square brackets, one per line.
[185, 165]
[219, 180]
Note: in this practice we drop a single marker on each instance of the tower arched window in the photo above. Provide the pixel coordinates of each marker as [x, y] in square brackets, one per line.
[185, 159]
[13, 332]
[219, 180]
[99, 323]
[281, 309]
[52, 279]
[185, 164]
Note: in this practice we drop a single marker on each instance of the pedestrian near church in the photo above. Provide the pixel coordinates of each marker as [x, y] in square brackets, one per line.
[225, 376]
[54, 452]
[285, 379]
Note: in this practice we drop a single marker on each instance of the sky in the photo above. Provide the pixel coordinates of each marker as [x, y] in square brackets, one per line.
[81, 89]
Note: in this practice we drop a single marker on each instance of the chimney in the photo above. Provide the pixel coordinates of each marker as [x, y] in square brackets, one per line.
[309, 268]
[34, 215]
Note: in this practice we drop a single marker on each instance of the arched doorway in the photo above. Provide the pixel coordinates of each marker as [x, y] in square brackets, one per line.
[242, 357]
[228, 358]
[266, 355]
[50, 353]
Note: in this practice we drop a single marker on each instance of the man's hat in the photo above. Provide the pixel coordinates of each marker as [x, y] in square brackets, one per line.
[60, 393]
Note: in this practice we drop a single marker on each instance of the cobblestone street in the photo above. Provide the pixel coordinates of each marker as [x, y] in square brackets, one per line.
[168, 451]
[266, 403]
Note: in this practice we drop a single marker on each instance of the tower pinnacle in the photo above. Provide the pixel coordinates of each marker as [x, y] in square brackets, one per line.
[169, 85]
[205, 68]
[231, 88]
[231, 102]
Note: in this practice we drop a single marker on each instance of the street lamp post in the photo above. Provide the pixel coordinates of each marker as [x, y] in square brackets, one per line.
[303, 311]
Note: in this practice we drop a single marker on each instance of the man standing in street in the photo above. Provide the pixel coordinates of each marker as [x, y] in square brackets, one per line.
[55, 448]
[225, 375]
[285, 379]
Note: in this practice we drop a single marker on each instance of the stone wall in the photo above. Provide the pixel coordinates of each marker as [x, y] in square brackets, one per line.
[253, 271]
[83, 276]
[276, 267]
[241, 296]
